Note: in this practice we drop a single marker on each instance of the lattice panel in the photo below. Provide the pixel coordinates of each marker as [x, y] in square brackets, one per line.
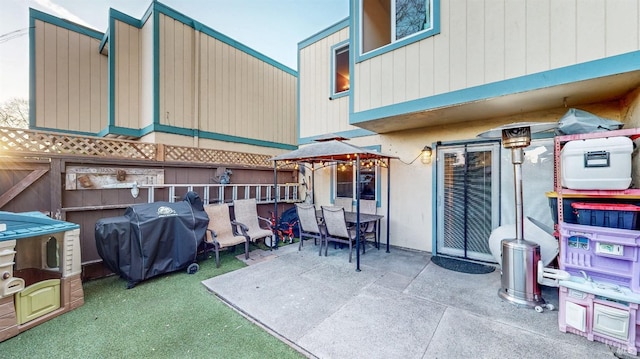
[203, 155]
[38, 142]
[16, 140]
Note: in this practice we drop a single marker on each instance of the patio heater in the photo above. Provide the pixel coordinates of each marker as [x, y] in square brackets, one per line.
[519, 256]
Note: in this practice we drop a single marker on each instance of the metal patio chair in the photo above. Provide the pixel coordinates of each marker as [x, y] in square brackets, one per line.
[370, 229]
[222, 232]
[344, 202]
[337, 230]
[246, 213]
[309, 226]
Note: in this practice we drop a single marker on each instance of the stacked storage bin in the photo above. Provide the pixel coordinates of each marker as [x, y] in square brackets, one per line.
[602, 250]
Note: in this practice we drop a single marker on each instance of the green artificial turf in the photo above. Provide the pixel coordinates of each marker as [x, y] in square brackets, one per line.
[169, 316]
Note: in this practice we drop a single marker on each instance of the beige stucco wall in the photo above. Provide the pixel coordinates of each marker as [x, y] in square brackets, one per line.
[70, 80]
[411, 185]
[481, 42]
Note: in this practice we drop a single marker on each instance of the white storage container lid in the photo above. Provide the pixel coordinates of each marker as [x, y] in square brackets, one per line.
[597, 164]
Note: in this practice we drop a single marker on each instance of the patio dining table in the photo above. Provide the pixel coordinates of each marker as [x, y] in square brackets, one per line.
[365, 218]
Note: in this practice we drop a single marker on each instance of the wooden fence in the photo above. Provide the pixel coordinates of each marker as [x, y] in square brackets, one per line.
[39, 171]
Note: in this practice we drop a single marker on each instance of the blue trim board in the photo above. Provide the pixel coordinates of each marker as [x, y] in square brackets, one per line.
[249, 141]
[347, 134]
[32, 68]
[105, 40]
[156, 65]
[434, 200]
[580, 72]
[323, 33]
[71, 132]
[66, 24]
[111, 71]
[129, 20]
[332, 73]
[163, 9]
[435, 30]
[116, 130]
[354, 49]
[298, 99]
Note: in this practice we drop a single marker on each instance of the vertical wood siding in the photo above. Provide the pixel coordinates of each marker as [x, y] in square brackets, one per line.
[146, 74]
[484, 41]
[318, 113]
[127, 76]
[238, 94]
[176, 73]
[70, 80]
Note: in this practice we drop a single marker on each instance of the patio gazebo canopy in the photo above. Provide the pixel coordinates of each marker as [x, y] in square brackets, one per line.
[335, 150]
[330, 151]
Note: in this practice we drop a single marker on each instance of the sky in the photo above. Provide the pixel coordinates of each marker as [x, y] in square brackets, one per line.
[271, 27]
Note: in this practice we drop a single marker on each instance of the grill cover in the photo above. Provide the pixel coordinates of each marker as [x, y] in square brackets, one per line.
[151, 239]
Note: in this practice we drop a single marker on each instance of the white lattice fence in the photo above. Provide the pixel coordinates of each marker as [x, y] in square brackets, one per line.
[204, 155]
[49, 143]
[38, 142]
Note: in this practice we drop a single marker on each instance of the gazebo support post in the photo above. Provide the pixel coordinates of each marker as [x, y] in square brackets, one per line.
[274, 237]
[358, 213]
[313, 183]
[388, 199]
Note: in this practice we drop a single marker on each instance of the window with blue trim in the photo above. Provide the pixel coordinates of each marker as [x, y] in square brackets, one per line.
[340, 70]
[384, 22]
[345, 179]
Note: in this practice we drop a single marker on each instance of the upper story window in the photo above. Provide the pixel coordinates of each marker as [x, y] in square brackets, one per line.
[384, 22]
[340, 64]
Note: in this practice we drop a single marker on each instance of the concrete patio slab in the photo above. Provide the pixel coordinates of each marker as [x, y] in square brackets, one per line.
[400, 305]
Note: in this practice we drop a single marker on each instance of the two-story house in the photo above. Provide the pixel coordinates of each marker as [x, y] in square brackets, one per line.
[399, 75]
[163, 78]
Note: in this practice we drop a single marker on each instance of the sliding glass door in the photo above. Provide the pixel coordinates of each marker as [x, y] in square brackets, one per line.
[468, 206]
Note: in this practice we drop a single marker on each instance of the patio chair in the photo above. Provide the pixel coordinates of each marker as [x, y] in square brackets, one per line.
[309, 226]
[246, 213]
[222, 232]
[336, 229]
[344, 202]
[370, 229]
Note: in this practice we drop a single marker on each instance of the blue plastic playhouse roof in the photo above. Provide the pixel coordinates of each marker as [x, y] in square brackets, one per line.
[31, 224]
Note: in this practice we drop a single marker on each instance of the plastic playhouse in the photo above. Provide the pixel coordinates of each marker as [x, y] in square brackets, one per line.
[40, 270]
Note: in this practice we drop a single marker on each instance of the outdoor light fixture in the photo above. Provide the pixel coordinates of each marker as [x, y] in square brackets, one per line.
[425, 155]
[135, 191]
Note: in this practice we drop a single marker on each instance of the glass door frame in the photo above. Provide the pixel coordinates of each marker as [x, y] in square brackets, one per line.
[468, 146]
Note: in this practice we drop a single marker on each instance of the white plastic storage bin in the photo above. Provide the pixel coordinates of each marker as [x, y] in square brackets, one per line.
[597, 164]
